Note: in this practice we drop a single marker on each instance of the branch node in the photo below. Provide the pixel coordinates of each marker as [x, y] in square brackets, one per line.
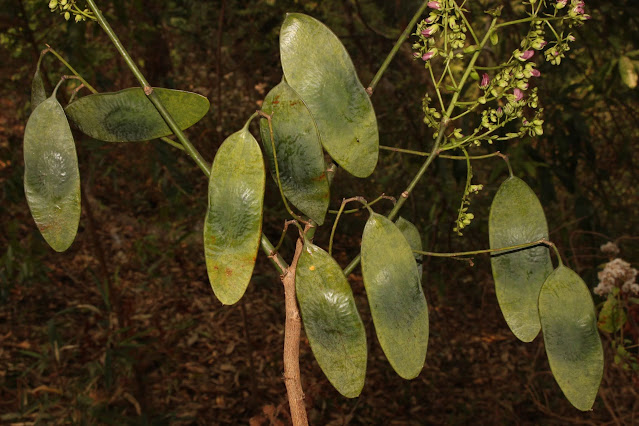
[148, 90]
[405, 194]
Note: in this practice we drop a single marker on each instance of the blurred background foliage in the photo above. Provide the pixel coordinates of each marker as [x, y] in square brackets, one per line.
[134, 283]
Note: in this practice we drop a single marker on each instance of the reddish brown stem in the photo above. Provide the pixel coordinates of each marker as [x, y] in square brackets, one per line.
[292, 330]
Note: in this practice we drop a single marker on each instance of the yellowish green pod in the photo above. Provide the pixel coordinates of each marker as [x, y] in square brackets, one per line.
[516, 217]
[332, 324]
[233, 223]
[317, 66]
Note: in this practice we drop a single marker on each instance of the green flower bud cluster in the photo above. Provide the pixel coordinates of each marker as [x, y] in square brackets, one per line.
[445, 18]
[557, 50]
[431, 115]
[533, 127]
[68, 8]
[464, 218]
[575, 14]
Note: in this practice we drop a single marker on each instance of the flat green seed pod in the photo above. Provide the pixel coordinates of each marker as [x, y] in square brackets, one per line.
[317, 66]
[51, 175]
[333, 326]
[233, 224]
[129, 116]
[516, 217]
[573, 346]
[38, 93]
[299, 152]
[411, 233]
[395, 296]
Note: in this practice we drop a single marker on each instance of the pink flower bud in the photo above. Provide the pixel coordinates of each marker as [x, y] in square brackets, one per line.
[434, 5]
[519, 95]
[426, 56]
[427, 32]
[485, 81]
[535, 73]
[526, 55]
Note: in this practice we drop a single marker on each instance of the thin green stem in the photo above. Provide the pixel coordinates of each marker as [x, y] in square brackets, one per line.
[554, 247]
[435, 150]
[426, 154]
[441, 78]
[279, 263]
[78, 11]
[66, 64]
[251, 118]
[498, 67]
[375, 201]
[468, 111]
[339, 214]
[523, 20]
[279, 243]
[277, 260]
[470, 28]
[549, 25]
[439, 95]
[543, 241]
[395, 49]
[505, 158]
[148, 90]
[93, 90]
[452, 78]
[55, 89]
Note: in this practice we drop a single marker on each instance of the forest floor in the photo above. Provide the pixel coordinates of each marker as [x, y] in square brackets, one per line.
[167, 352]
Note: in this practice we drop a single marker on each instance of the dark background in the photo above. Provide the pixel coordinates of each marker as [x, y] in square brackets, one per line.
[162, 350]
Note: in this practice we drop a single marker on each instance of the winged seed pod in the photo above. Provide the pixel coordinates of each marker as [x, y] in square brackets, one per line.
[317, 66]
[233, 223]
[299, 152]
[332, 324]
[51, 174]
[516, 217]
[395, 296]
[129, 116]
[573, 345]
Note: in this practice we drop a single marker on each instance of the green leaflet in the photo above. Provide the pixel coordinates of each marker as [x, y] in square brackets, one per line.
[317, 66]
[51, 175]
[395, 296]
[573, 346]
[233, 224]
[299, 152]
[516, 217]
[612, 316]
[414, 239]
[331, 321]
[129, 116]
